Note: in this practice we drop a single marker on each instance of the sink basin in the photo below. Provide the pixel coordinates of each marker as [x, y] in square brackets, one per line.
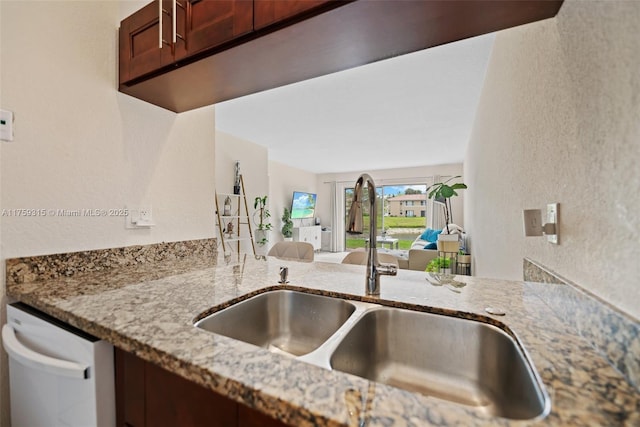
[283, 321]
[450, 358]
[455, 359]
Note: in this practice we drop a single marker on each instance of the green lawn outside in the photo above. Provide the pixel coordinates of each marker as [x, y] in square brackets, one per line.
[397, 222]
[389, 223]
[404, 222]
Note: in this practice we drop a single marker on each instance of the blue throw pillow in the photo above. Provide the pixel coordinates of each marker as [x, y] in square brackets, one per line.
[430, 235]
[432, 245]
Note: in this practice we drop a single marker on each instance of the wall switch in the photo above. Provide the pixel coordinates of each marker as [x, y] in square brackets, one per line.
[552, 218]
[6, 125]
[533, 225]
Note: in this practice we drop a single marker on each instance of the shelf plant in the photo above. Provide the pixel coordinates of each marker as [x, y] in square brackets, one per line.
[262, 221]
[287, 224]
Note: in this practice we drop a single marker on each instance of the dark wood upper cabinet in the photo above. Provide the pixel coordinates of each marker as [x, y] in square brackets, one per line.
[140, 49]
[245, 47]
[267, 12]
[210, 23]
[188, 28]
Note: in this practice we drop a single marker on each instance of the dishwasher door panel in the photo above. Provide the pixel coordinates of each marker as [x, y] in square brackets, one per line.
[58, 376]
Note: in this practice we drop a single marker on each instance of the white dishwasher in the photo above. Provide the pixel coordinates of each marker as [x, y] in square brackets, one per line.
[58, 375]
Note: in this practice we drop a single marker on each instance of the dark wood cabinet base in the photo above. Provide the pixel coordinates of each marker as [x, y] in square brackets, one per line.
[147, 395]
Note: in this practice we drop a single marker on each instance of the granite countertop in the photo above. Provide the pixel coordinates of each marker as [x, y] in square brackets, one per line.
[149, 310]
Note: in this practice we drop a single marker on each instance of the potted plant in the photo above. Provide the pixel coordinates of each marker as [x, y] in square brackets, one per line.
[439, 265]
[442, 192]
[262, 222]
[463, 257]
[287, 224]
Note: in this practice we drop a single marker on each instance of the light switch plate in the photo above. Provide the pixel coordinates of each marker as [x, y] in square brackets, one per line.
[6, 125]
[552, 218]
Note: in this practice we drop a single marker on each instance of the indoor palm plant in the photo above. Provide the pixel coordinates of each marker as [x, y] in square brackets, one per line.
[442, 192]
[262, 220]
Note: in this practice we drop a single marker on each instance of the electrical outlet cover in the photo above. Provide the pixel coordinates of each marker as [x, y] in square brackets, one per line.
[532, 222]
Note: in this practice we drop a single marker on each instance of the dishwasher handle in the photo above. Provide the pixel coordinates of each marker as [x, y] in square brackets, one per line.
[32, 359]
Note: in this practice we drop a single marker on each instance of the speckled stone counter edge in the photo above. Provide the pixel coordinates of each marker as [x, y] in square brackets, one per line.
[45, 267]
[613, 333]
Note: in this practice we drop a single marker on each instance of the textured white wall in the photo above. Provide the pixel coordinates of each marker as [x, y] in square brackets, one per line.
[559, 121]
[81, 144]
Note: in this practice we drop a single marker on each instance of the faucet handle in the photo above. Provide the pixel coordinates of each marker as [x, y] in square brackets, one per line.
[387, 269]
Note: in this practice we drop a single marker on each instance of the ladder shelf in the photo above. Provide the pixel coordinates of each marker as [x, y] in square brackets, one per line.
[231, 219]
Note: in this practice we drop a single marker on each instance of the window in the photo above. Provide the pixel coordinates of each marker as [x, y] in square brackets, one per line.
[392, 218]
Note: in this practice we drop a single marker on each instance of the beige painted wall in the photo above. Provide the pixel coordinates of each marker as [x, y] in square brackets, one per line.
[284, 180]
[81, 144]
[559, 121]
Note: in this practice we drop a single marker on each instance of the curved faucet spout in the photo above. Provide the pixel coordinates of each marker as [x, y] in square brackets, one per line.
[354, 226]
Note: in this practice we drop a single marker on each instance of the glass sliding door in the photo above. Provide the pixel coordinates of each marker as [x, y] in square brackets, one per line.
[401, 216]
[353, 241]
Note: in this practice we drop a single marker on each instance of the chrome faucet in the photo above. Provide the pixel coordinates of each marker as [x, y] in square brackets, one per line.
[354, 226]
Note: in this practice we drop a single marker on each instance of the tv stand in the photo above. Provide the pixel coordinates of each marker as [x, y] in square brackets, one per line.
[311, 234]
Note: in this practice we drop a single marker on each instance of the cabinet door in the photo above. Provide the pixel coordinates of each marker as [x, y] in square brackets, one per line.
[174, 401]
[129, 390]
[268, 12]
[248, 417]
[147, 395]
[210, 23]
[140, 51]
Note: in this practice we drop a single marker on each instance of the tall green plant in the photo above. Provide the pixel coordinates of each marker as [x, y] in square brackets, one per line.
[287, 223]
[442, 192]
[262, 222]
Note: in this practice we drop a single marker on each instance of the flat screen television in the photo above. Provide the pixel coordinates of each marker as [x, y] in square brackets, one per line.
[303, 205]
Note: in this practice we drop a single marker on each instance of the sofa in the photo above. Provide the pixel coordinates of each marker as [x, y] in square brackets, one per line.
[424, 248]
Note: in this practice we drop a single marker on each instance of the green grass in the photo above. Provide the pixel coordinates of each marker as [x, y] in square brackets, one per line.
[404, 222]
[397, 222]
[389, 223]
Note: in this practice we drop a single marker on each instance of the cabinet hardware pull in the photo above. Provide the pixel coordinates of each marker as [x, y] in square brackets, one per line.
[160, 24]
[174, 23]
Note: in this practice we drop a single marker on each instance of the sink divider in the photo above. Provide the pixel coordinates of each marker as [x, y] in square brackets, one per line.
[321, 356]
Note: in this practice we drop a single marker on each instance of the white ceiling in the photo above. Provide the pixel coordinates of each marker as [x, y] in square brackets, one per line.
[412, 110]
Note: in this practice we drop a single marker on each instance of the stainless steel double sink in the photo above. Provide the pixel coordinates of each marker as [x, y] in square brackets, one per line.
[450, 358]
